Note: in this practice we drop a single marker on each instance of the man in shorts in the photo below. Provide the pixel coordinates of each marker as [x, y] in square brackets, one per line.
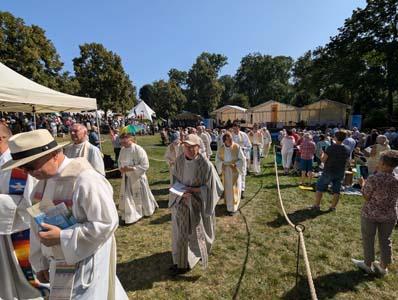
[335, 159]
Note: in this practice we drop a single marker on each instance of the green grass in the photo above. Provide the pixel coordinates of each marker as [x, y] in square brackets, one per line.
[266, 258]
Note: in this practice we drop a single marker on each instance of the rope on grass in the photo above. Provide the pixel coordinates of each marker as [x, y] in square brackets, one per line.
[299, 228]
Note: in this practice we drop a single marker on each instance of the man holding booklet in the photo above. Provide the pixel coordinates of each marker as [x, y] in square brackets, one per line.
[81, 257]
[193, 197]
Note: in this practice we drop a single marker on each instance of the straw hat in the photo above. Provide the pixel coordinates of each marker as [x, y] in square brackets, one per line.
[28, 146]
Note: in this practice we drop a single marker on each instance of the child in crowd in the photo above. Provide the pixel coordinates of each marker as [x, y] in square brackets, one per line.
[379, 213]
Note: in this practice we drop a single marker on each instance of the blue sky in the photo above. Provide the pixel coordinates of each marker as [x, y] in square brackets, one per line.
[153, 36]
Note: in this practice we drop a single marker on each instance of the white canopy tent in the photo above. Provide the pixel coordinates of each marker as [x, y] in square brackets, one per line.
[141, 110]
[20, 94]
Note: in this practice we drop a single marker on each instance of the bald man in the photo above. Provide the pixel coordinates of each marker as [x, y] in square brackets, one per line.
[15, 190]
[81, 147]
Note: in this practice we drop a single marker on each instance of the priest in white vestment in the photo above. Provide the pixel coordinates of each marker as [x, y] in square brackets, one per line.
[242, 139]
[256, 139]
[136, 199]
[206, 138]
[79, 260]
[267, 141]
[193, 207]
[81, 147]
[174, 149]
[17, 281]
[230, 163]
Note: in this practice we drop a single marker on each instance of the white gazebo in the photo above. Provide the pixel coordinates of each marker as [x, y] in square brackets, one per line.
[229, 112]
[141, 111]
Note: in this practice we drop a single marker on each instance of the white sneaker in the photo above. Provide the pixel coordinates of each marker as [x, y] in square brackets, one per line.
[379, 269]
[361, 264]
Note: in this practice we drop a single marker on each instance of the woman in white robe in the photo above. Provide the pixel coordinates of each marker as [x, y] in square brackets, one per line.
[136, 199]
[267, 141]
[173, 150]
[230, 164]
[256, 139]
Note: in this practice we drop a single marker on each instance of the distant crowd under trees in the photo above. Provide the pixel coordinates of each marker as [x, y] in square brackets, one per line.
[358, 67]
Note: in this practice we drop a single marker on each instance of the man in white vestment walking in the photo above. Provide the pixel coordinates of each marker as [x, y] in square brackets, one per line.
[256, 139]
[79, 260]
[17, 279]
[242, 139]
[230, 163]
[206, 138]
[193, 210]
[81, 147]
[136, 199]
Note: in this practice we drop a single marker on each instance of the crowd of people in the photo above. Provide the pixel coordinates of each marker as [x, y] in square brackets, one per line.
[56, 197]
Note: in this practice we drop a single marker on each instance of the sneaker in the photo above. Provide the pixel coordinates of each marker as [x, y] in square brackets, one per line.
[332, 209]
[379, 270]
[361, 265]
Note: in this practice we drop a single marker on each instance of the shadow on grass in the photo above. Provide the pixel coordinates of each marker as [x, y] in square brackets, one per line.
[160, 192]
[329, 285]
[263, 175]
[221, 210]
[142, 273]
[163, 219]
[165, 181]
[296, 217]
[163, 203]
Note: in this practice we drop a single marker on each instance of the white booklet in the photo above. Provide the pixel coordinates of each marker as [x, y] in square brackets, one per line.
[178, 189]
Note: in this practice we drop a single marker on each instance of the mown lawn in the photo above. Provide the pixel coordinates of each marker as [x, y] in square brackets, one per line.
[254, 253]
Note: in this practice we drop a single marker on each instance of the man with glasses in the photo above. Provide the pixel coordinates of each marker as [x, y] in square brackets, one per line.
[15, 187]
[193, 198]
[81, 147]
[81, 258]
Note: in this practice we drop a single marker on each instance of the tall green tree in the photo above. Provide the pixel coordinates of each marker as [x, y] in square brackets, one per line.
[179, 77]
[204, 89]
[28, 51]
[228, 83]
[169, 98]
[146, 93]
[101, 75]
[263, 77]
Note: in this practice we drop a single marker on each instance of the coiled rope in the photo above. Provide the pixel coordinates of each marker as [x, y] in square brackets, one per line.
[299, 228]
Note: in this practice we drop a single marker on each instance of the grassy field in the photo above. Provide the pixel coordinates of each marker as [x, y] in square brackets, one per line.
[254, 252]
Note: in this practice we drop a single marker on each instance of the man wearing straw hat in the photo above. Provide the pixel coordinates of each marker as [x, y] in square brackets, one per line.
[193, 197]
[17, 281]
[79, 260]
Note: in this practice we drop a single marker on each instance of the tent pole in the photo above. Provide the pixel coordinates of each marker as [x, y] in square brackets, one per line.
[99, 129]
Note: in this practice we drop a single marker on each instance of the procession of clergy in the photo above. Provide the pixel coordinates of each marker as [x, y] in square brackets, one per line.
[79, 261]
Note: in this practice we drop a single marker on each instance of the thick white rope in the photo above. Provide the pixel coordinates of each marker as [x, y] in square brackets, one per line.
[300, 232]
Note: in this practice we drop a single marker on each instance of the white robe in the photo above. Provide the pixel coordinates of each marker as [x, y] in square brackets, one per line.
[136, 199]
[256, 140]
[87, 243]
[206, 138]
[242, 139]
[92, 153]
[13, 218]
[232, 197]
[194, 233]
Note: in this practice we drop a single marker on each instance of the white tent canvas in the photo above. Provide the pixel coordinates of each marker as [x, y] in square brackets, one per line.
[20, 94]
[141, 110]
